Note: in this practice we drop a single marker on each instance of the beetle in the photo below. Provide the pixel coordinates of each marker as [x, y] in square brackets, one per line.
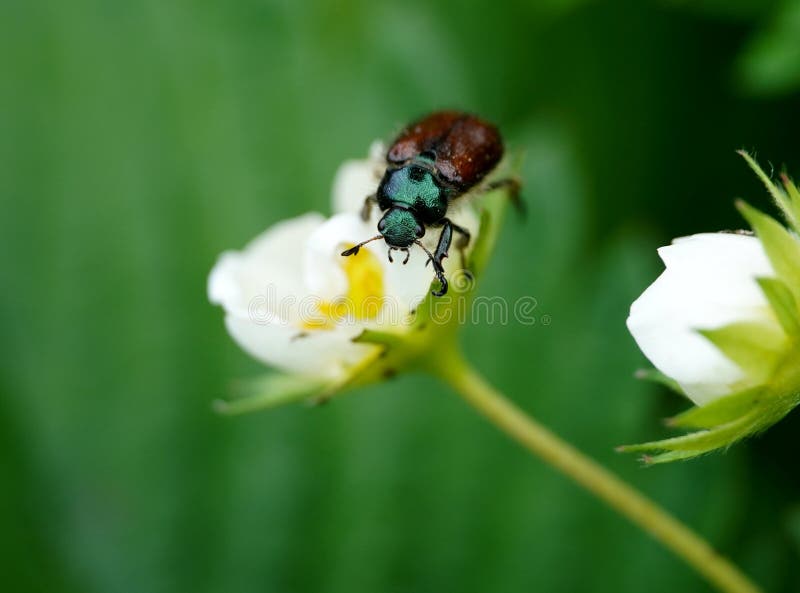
[432, 162]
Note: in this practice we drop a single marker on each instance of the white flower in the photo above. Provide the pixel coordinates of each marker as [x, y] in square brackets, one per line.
[293, 302]
[709, 283]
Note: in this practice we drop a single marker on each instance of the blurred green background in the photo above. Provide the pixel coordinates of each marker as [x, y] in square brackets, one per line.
[140, 139]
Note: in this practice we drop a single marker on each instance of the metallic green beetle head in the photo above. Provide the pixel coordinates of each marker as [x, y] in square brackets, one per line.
[400, 228]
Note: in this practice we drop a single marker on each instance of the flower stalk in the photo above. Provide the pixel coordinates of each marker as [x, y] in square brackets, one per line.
[617, 494]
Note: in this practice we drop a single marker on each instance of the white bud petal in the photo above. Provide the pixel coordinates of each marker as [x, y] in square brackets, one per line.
[709, 283]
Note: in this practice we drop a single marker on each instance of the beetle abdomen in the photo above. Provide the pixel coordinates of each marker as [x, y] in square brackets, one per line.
[464, 147]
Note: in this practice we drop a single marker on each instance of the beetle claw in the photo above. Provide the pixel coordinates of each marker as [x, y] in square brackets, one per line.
[439, 271]
[443, 289]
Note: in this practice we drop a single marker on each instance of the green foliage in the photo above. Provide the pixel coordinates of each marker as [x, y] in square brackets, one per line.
[140, 139]
[771, 61]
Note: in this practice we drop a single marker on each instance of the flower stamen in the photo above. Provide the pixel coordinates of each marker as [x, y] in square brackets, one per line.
[364, 297]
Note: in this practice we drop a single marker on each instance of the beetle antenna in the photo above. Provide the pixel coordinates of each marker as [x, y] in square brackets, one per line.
[438, 269]
[355, 248]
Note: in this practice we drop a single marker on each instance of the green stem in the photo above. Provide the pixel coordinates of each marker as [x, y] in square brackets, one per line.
[620, 496]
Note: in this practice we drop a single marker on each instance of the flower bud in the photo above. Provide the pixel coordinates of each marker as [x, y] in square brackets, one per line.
[721, 325]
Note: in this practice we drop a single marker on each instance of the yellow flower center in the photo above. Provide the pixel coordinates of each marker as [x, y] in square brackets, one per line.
[364, 295]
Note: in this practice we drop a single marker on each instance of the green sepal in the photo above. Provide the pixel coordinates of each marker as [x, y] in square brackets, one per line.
[494, 206]
[782, 248]
[669, 456]
[720, 411]
[794, 193]
[766, 411]
[725, 421]
[702, 441]
[788, 206]
[754, 346]
[656, 376]
[783, 304]
[379, 338]
[270, 391]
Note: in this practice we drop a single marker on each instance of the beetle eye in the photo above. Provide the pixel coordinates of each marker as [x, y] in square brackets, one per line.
[420, 231]
[381, 225]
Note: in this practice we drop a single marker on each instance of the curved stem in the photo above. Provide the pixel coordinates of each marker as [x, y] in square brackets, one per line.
[606, 486]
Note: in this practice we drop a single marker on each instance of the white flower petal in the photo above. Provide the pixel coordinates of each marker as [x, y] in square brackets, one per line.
[266, 269]
[325, 354]
[357, 179]
[322, 260]
[407, 284]
[263, 293]
[709, 283]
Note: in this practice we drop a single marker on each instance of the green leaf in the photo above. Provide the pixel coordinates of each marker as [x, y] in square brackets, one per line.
[783, 249]
[783, 304]
[753, 346]
[781, 199]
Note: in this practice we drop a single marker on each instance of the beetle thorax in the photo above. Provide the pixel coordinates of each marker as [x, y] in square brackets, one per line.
[413, 187]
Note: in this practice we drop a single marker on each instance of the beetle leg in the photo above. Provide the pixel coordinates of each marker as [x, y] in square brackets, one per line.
[461, 242]
[513, 187]
[366, 209]
[445, 239]
[437, 268]
[408, 254]
[391, 261]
